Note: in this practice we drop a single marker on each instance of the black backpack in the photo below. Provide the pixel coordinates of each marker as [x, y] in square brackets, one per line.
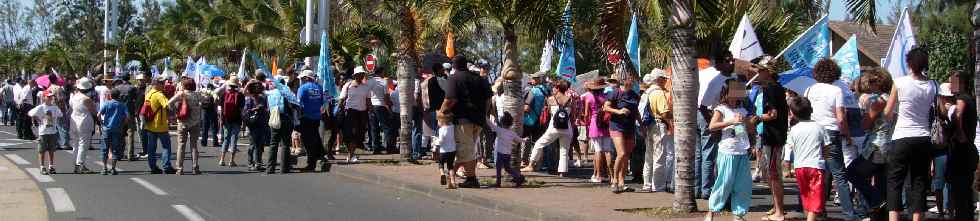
[562, 116]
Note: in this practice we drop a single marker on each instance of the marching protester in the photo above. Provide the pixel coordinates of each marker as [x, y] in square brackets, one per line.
[467, 96]
[186, 104]
[910, 102]
[232, 103]
[8, 110]
[282, 119]
[114, 115]
[84, 120]
[47, 115]
[806, 141]
[658, 138]
[154, 111]
[622, 105]
[310, 95]
[354, 100]
[24, 99]
[558, 128]
[256, 119]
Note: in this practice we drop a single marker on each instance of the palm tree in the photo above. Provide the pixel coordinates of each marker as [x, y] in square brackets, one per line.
[685, 98]
[535, 18]
[976, 49]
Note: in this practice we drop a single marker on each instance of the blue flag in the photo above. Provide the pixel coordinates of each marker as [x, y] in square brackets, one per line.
[633, 45]
[848, 60]
[290, 96]
[191, 67]
[810, 47]
[566, 42]
[324, 70]
[154, 72]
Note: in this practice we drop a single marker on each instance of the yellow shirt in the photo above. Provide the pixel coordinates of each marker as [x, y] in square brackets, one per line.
[658, 102]
[158, 103]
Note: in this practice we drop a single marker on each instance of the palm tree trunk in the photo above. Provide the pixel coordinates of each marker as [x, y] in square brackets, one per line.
[976, 51]
[684, 95]
[612, 23]
[406, 72]
[512, 101]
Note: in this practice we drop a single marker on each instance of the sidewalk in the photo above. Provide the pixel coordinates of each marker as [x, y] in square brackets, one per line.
[547, 197]
[20, 197]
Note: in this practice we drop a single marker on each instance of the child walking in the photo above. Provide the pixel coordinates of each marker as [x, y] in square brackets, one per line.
[446, 145]
[734, 180]
[503, 145]
[805, 140]
[113, 115]
[47, 115]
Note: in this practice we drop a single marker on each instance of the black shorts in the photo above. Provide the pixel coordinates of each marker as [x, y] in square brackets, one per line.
[355, 126]
[912, 156]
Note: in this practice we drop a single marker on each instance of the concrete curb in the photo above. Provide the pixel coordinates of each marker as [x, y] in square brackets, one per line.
[521, 210]
[20, 196]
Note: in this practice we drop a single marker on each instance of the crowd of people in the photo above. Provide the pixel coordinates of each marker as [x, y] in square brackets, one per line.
[876, 146]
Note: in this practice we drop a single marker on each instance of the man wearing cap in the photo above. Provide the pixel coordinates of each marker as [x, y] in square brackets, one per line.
[467, 98]
[533, 105]
[156, 127]
[658, 139]
[311, 99]
[380, 109]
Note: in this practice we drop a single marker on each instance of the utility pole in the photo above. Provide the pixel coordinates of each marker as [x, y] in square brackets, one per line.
[308, 34]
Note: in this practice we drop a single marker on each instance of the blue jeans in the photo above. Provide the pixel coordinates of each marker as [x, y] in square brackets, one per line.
[151, 149]
[230, 139]
[418, 146]
[377, 126]
[835, 165]
[112, 142]
[259, 137]
[709, 155]
[209, 126]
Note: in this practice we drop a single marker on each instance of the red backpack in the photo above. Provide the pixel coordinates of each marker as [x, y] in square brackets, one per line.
[231, 106]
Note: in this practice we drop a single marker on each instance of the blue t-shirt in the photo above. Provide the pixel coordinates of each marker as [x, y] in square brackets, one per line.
[113, 114]
[624, 99]
[311, 98]
[535, 99]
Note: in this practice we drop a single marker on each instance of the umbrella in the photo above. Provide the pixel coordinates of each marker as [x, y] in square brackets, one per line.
[42, 81]
[797, 80]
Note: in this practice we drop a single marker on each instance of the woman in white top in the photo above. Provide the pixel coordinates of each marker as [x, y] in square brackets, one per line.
[354, 98]
[83, 118]
[910, 102]
[559, 129]
[828, 102]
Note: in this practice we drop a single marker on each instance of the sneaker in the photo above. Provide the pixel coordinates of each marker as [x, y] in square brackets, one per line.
[105, 172]
[232, 164]
[578, 163]
[627, 188]
[470, 183]
[460, 174]
[221, 163]
[44, 172]
[352, 159]
[251, 168]
[934, 210]
[76, 170]
[325, 166]
[595, 179]
[85, 169]
[51, 170]
[645, 189]
[156, 171]
[114, 172]
[196, 170]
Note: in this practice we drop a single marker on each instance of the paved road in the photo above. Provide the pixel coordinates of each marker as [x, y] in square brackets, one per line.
[223, 193]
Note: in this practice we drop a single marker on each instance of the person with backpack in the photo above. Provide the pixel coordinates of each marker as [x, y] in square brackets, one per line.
[186, 103]
[154, 110]
[559, 129]
[533, 106]
[310, 96]
[132, 97]
[282, 119]
[232, 103]
[257, 121]
[658, 139]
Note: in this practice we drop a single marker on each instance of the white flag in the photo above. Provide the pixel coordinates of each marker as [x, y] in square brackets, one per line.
[546, 56]
[902, 42]
[745, 45]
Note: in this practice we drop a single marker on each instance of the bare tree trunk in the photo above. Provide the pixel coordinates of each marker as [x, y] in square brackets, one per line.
[684, 95]
[406, 79]
[512, 101]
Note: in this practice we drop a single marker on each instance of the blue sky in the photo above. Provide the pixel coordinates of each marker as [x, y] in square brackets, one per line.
[838, 8]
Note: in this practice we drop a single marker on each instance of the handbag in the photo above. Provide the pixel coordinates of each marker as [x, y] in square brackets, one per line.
[274, 121]
[938, 125]
[183, 113]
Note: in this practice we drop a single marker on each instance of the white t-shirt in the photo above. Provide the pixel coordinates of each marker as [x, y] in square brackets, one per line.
[825, 98]
[915, 98]
[504, 143]
[378, 86]
[805, 140]
[356, 96]
[734, 138]
[446, 139]
[47, 125]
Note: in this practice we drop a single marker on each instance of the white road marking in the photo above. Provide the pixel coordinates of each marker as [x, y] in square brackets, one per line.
[153, 188]
[12, 144]
[41, 178]
[188, 213]
[60, 200]
[17, 159]
[9, 133]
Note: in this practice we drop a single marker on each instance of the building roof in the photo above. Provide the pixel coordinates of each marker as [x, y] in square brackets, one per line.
[872, 45]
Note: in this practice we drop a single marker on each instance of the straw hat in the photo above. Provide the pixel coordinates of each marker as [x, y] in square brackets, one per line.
[84, 84]
[232, 81]
[597, 84]
[305, 74]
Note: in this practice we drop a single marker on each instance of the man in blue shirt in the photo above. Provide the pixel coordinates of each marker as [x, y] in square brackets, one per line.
[311, 98]
[114, 115]
[533, 106]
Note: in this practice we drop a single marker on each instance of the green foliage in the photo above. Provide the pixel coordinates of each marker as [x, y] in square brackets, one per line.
[941, 27]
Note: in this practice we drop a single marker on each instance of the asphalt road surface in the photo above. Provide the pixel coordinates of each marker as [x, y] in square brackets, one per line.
[222, 193]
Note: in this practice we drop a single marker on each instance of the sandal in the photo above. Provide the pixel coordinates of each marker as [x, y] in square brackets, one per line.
[772, 217]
